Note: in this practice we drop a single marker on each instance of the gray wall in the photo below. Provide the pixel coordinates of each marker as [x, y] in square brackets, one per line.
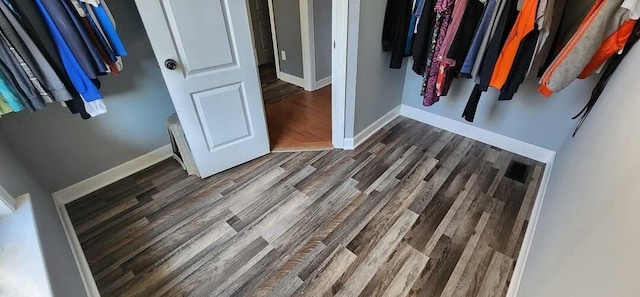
[378, 89]
[61, 268]
[322, 37]
[62, 149]
[287, 17]
[586, 242]
[529, 117]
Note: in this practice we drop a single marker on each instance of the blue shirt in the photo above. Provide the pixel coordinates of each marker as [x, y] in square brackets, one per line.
[78, 77]
[109, 30]
[472, 55]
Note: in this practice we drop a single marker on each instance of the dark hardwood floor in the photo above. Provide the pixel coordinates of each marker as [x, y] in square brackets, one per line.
[273, 89]
[415, 211]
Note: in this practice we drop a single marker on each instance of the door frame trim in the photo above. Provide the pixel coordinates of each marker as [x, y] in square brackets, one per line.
[339, 53]
[339, 58]
[307, 37]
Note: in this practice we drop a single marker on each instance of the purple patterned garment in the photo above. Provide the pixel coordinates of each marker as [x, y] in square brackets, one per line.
[444, 9]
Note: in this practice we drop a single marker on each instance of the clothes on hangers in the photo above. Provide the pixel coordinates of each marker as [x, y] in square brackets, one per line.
[521, 63]
[54, 50]
[604, 18]
[397, 19]
[611, 67]
[613, 44]
[423, 36]
[549, 24]
[525, 23]
[44, 76]
[503, 27]
[444, 10]
[480, 36]
[452, 61]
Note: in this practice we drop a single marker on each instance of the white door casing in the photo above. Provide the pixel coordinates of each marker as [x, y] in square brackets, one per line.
[261, 30]
[215, 87]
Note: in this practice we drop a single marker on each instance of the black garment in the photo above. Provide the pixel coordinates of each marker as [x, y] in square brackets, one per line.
[614, 62]
[422, 38]
[503, 28]
[521, 64]
[32, 21]
[467, 30]
[397, 19]
[462, 42]
[469, 112]
[507, 19]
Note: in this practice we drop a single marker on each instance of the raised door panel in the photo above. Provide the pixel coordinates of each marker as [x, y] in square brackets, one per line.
[208, 27]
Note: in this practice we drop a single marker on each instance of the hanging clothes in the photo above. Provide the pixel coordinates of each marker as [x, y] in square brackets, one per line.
[503, 27]
[422, 39]
[44, 76]
[525, 23]
[604, 18]
[444, 65]
[28, 14]
[606, 76]
[480, 36]
[397, 19]
[521, 63]
[80, 79]
[549, 26]
[70, 35]
[460, 45]
[444, 10]
[613, 44]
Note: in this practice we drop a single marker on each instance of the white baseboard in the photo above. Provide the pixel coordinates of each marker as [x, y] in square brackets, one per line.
[112, 175]
[291, 79]
[81, 261]
[518, 271]
[352, 143]
[519, 147]
[322, 83]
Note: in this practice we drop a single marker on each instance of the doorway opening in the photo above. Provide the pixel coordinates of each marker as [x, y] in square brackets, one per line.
[292, 51]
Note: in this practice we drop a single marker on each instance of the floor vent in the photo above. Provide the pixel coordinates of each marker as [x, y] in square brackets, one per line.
[517, 171]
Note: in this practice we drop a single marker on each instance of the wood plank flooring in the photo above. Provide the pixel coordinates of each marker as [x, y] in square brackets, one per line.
[302, 121]
[415, 211]
[273, 89]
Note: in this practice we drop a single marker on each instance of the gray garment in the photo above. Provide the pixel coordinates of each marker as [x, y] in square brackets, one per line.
[495, 17]
[71, 35]
[99, 63]
[607, 20]
[554, 11]
[32, 55]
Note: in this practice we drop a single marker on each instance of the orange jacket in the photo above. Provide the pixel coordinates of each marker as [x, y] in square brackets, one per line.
[525, 23]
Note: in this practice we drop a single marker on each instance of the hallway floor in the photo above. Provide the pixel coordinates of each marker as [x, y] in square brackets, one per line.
[414, 211]
[301, 121]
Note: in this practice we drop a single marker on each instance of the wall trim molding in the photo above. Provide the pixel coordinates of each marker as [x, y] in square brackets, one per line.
[527, 242]
[519, 147]
[112, 175]
[352, 143]
[292, 79]
[76, 249]
[322, 83]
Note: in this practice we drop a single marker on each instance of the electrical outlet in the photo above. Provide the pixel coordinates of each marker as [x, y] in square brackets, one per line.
[283, 55]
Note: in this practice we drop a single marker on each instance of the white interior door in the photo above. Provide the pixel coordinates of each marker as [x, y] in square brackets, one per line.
[205, 51]
[261, 24]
